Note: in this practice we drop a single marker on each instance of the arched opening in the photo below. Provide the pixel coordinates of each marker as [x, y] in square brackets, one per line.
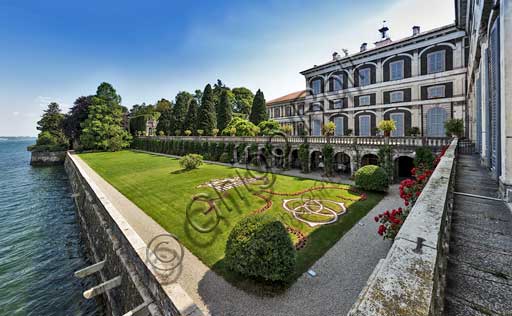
[369, 159]
[342, 163]
[294, 159]
[278, 156]
[316, 160]
[403, 166]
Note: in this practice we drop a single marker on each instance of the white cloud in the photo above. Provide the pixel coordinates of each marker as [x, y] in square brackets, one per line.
[15, 113]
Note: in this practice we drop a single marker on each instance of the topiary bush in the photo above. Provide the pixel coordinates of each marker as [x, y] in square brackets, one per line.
[372, 178]
[260, 247]
[191, 161]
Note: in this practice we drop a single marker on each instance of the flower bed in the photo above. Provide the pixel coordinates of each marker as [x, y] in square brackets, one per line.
[410, 189]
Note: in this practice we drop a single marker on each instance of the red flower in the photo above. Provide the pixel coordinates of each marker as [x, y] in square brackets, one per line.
[376, 218]
[406, 203]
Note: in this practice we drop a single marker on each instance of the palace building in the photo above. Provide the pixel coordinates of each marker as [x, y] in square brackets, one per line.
[418, 81]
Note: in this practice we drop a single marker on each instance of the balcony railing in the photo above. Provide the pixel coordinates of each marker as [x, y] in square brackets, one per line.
[436, 142]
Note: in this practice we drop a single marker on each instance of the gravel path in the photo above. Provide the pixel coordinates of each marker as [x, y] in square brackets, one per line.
[341, 273]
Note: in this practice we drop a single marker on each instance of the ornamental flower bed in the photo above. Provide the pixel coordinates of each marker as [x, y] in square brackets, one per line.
[410, 189]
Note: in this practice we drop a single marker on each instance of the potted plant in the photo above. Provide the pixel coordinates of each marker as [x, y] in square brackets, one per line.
[215, 131]
[348, 132]
[232, 131]
[413, 131]
[329, 128]
[177, 132]
[454, 128]
[387, 126]
[188, 132]
[200, 132]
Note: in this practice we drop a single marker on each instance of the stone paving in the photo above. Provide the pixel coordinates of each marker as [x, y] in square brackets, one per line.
[479, 276]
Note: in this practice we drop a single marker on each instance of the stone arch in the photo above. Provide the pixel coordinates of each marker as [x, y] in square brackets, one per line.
[294, 159]
[316, 160]
[452, 46]
[369, 159]
[335, 75]
[310, 83]
[449, 52]
[403, 166]
[342, 163]
[278, 157]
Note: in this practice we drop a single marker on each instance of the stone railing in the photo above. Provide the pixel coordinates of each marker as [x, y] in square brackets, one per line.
[411, 279]
[344, 140]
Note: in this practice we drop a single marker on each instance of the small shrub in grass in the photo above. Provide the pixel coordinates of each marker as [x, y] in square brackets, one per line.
[225, 158]
[191, 161]
[372, 178]
[260, 247]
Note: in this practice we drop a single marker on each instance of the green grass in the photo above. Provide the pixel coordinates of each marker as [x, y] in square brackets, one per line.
[159, 187]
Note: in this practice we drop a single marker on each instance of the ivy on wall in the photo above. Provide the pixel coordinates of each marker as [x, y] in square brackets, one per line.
[304, 158]
[328, 153]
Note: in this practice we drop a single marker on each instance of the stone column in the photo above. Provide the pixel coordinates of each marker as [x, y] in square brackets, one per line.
[415, 64]
[506, 97]
[379, 73]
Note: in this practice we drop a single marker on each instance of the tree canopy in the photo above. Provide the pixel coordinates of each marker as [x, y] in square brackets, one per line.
[76, 116]
[269, 127]
[224, 113]
[240, 127]
[179, 112]
[243, 100]
[163, 105]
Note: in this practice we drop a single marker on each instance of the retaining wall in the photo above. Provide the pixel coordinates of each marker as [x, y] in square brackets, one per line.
[108, 236]
[46, 158]
[411, 282]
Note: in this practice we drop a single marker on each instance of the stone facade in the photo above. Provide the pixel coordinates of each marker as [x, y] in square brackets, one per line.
[334, 91]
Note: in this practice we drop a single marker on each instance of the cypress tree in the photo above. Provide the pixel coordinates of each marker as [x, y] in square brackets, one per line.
[191, 118]
[207, 120]
[258, 110]
[225, 112]
[180, 109]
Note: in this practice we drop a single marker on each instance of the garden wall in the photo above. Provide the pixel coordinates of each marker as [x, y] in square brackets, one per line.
[46, 158]
[108, 236]
[411, 279]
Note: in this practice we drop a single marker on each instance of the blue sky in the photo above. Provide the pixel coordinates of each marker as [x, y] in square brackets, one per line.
[59, 50]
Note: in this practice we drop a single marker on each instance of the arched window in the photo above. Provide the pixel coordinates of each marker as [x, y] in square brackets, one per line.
[435, 122]
[317, 85]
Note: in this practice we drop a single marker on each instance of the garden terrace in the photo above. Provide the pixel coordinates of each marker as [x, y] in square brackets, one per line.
[349, 153]
[163, 190]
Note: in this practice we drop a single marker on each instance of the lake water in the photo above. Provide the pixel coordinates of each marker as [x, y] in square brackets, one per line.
[40, 245]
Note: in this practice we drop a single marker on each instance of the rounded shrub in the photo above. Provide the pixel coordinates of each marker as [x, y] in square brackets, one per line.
[225, 157]
[191, 161]
[372, 178]
[260, 247]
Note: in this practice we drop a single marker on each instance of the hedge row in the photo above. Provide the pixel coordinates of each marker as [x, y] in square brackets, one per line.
[209, 150]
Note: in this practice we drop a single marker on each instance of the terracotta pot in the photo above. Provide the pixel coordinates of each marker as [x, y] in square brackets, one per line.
[387, 133]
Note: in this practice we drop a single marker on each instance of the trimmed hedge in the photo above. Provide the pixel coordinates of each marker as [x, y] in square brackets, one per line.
[372, 178]
[191, 161]
[260, 247]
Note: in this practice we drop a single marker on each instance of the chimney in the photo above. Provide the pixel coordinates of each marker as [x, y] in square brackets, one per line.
[345, 51]
[384, 32]
[415, 30]
[363, 47]
[335, 56]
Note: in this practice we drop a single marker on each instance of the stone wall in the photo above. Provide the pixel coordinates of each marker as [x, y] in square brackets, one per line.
[411, 281]
[108, 236]
[46, 158]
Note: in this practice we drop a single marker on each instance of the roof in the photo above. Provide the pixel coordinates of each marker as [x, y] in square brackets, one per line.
[289, 97]
[383, 47]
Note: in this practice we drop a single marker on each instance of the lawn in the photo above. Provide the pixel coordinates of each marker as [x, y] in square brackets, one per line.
[159, 187]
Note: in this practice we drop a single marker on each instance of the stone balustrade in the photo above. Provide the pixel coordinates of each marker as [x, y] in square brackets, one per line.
[411, 279]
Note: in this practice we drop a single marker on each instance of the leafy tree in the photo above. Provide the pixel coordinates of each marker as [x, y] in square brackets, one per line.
[207, 120]
[102, 130]
[241, 127]
[258, 110]
[180, 109]
[243, 100]
[107, 92]
[198, 95]
[191, 117]
[76, 116]
[269, 127]
[224, 114]
[163, 105]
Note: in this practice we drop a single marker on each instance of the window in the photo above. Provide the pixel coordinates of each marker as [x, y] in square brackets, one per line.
[399, 124]
[337, 82]
[316, 107]
[396, 70]
[364, 77]
[435, 122]
[316, 129]
[435, 62]
[338, 104]
[364, 100]
[436, 92]
[300, 109]
[396, 96]
[277, 112]
[317, 86]
[269, 113]
[338, 121]
[364, 125]
[288, 111]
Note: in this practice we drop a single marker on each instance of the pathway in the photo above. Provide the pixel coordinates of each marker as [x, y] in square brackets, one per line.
[341, 273]
[479, 276]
